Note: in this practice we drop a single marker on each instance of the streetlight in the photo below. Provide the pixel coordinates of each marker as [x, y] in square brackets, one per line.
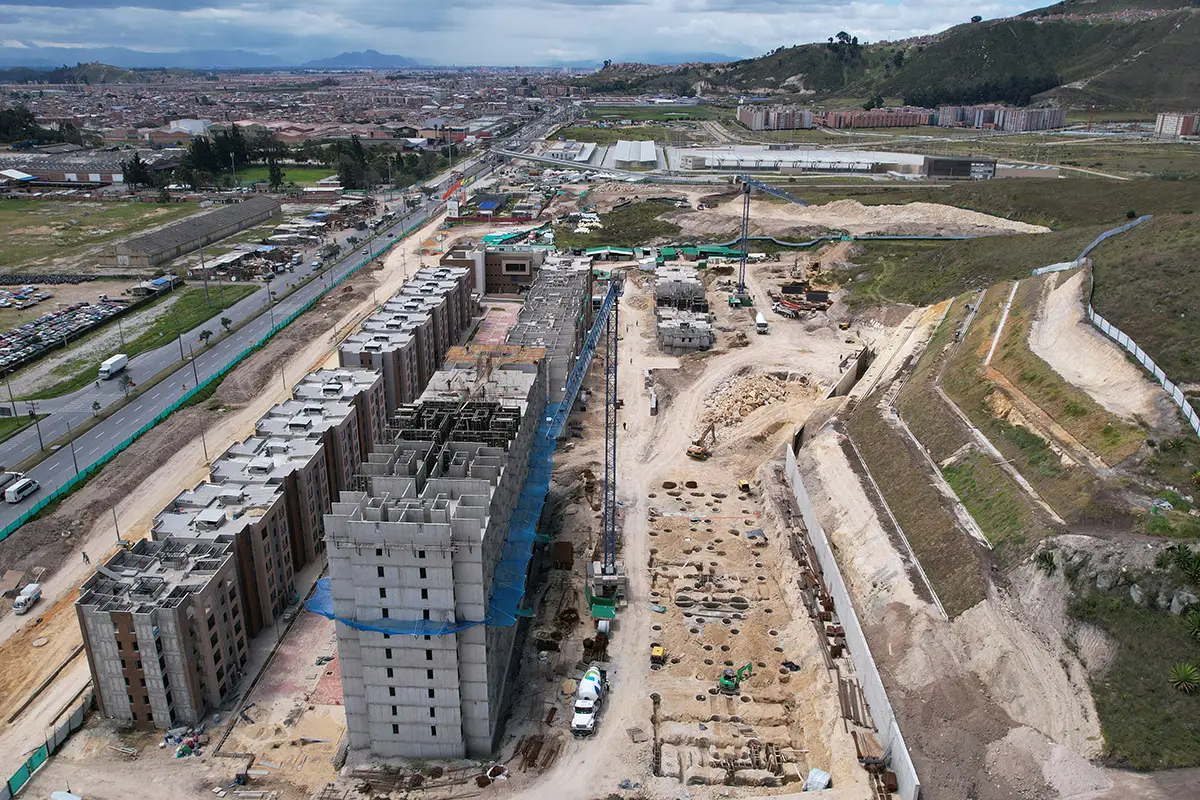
[33, 415]
[204, 275]
[72, 440]
[10, 394]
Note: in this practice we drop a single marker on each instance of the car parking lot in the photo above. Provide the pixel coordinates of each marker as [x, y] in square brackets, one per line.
[63, 319]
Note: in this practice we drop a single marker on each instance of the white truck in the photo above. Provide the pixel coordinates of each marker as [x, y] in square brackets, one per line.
[28, 596]
[109, 367]
[589, 697]
[760, 323]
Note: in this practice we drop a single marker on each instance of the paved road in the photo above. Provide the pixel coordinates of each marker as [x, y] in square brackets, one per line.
[59, 467]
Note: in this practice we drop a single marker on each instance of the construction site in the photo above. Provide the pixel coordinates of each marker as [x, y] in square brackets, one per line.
[679, 522]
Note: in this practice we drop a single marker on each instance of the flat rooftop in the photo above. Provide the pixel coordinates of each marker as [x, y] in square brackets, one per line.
[264, 460]
[215, 511]
[153, 574]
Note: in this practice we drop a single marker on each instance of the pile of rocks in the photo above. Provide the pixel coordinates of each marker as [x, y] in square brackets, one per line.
[734, 399]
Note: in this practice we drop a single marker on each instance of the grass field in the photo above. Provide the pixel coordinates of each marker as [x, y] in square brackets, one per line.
[33, 232]
[1147, 724]
[607, 136]
[303, 175]
[632, 226]
[11, 426]
[657, 113]
[188, 311]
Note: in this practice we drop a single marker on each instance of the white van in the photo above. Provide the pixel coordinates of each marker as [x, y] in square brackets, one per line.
[20, 490]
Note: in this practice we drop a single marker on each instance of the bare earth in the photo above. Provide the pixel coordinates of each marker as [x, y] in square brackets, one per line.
[1064, 338]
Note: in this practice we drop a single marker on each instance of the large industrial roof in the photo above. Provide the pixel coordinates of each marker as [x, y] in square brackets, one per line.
[635, 151]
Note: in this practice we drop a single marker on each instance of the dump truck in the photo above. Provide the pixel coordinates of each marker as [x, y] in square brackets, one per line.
[109, 367]
[28, 596]
[589, 698]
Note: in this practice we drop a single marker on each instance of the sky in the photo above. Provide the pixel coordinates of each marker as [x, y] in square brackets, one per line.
[477, 31]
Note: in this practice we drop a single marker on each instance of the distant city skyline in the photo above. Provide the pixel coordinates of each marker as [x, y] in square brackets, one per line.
[473, 32]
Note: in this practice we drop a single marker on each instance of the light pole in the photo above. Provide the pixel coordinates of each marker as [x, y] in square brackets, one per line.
[233, 167]
[33, 415]
[121, 331]
[72, 440]
[115, 526]
[195, 374]
[271, 304]
[10, 394]
[204, 274]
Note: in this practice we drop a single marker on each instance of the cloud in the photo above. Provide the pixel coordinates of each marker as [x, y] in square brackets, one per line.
[477, 31]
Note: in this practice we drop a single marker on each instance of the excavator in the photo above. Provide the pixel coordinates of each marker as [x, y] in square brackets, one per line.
[729, 682]
[699, 449]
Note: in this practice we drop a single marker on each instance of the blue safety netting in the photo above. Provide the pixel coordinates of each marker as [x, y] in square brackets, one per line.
[508, 580]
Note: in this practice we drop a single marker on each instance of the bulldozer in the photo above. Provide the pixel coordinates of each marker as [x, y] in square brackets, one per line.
[699, 449]
[731, 681]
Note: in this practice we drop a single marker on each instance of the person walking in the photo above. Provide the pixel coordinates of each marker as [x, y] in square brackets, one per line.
[86, 560]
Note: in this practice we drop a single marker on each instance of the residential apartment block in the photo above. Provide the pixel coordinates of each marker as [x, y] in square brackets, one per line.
[413, 553]
[408, 337]
[774, 118]
[164, 633]
[253, 520]
[1174, 124]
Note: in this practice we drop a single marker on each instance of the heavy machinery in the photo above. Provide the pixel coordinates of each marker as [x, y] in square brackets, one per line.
[740, 298]
[658, 655]
[699, 449]
[589, 696]
[744, 487]
[731, 681]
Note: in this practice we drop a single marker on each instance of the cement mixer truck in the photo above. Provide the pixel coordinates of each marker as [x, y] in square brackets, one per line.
[589, 697]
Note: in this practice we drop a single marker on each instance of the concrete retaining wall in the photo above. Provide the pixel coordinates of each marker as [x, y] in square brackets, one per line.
[890, 738]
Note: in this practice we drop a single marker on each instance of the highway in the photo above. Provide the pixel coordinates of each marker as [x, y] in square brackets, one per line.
[59, 466]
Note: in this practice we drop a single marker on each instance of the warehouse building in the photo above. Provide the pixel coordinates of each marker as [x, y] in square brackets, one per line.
[171, 241]
[792, 159]
[80, 167]
[414, 551]
[634, 155]
[163, 631]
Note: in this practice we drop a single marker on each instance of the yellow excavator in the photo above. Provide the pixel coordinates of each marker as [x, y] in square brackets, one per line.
[699, 449]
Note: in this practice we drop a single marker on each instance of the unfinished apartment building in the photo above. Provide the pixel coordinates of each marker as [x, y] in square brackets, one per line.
[679, 286]
[299, 468]
[499, 269]
[408, 337]
[556, 316]
[414, 550]
[163, 631]
[343, 409]
[253, 519]
[682, 321]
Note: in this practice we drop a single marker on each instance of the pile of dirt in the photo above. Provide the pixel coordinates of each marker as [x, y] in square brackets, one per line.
[737, 397]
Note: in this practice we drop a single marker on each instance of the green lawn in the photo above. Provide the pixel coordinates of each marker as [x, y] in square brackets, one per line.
[11, 426]
[188, 311]
[304, 175]
[657, 113]
[1147, 724]
[35, 231]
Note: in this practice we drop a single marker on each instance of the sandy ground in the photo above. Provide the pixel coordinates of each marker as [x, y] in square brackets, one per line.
[143, 480]
[1063, 338]
[849, 215]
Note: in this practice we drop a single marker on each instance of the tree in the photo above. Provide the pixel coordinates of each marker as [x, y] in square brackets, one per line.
[164, 195]
[95, 407]
[275, 174]
[874, 101]
[136, 172]
[1185, 677]
[976, 18]
[125, 383]
[226, 322]
[205, 335]
[607, 63]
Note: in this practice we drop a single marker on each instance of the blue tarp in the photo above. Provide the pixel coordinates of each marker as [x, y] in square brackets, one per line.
[489, 205]
[508, 580]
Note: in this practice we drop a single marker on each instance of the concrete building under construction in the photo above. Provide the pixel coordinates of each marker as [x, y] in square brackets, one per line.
[556, 316]
[679, 286]
[163, 630]
[684, 331]
[414, 549]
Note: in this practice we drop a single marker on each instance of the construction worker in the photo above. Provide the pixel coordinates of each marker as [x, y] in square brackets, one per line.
[86, 560]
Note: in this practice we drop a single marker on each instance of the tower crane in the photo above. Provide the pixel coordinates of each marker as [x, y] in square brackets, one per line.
[740, 297]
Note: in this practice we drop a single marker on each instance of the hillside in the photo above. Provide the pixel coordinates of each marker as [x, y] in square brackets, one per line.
[95, 74]
[1125, 54]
